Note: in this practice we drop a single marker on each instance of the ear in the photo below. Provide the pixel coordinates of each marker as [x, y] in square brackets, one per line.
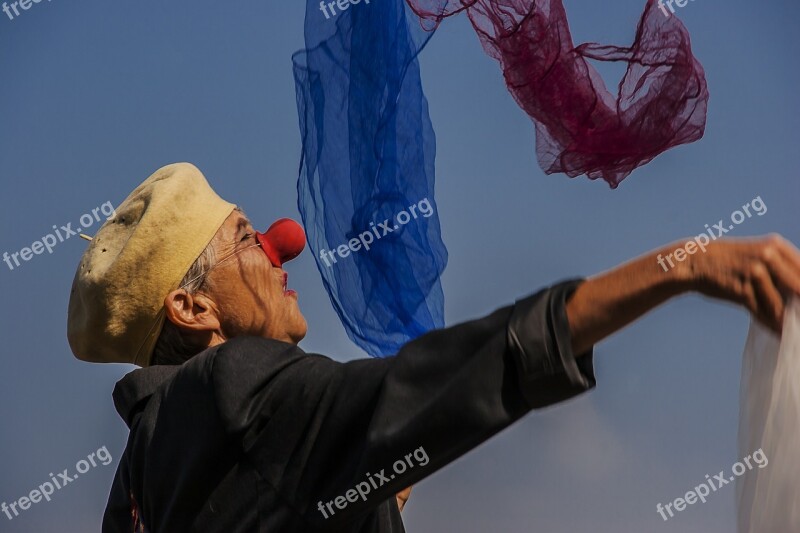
[193, 312]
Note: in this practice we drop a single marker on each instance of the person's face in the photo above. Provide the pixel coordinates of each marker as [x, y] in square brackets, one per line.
[249, 293]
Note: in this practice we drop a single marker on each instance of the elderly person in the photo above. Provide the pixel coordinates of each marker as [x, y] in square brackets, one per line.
[233, 427]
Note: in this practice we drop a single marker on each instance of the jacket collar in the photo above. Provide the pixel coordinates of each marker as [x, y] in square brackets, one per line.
[139, 385]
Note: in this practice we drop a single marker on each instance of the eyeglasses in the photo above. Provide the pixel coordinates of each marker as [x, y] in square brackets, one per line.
[215, 265]
[282, 242]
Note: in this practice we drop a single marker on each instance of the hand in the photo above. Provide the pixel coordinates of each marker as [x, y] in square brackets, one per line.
[759, 274]
[402, 497]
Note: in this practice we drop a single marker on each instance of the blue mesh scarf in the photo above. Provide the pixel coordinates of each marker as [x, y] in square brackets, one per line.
[366, 184]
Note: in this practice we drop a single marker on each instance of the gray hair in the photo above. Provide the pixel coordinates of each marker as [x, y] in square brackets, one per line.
[171, 347]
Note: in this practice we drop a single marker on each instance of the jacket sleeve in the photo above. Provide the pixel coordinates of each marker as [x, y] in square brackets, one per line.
[319, 430]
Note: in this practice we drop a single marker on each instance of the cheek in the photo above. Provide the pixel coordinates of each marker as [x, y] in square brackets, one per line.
[245, 290]
[255, 273]
[264, 295]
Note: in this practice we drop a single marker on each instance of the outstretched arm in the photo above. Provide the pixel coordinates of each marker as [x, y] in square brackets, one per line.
[758, 274]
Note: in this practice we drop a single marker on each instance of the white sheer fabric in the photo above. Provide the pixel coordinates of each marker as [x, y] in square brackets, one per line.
[768, 498]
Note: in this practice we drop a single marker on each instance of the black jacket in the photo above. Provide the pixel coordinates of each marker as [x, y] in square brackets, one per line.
[255, 435]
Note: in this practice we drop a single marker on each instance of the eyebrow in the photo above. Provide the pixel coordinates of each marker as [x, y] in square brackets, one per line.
[242, 223]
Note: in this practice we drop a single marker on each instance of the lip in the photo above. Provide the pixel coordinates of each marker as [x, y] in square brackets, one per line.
[287, 291]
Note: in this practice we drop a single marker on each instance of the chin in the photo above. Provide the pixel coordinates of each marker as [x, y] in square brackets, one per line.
[300, 333]
[298, 330]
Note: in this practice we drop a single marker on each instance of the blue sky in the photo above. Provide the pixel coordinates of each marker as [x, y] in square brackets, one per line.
[97, 95]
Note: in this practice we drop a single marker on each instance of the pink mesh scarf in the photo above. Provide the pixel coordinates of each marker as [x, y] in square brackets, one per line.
[581, 128]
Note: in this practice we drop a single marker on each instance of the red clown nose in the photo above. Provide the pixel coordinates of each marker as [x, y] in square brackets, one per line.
[283, 241]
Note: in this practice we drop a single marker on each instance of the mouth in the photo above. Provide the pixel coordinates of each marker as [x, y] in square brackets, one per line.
[286, 290]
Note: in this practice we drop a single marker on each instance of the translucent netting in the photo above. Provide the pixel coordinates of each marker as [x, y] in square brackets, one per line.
[368, 156]
[581, 128]
[369, 147]
[768, 496]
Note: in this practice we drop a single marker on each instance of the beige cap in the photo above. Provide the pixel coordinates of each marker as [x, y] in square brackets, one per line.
[135, 260]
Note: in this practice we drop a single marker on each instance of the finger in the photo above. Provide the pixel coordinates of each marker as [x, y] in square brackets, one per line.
[770, 303]
[741, 290]
[402, 498]
[750, 301]
[789, 259]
